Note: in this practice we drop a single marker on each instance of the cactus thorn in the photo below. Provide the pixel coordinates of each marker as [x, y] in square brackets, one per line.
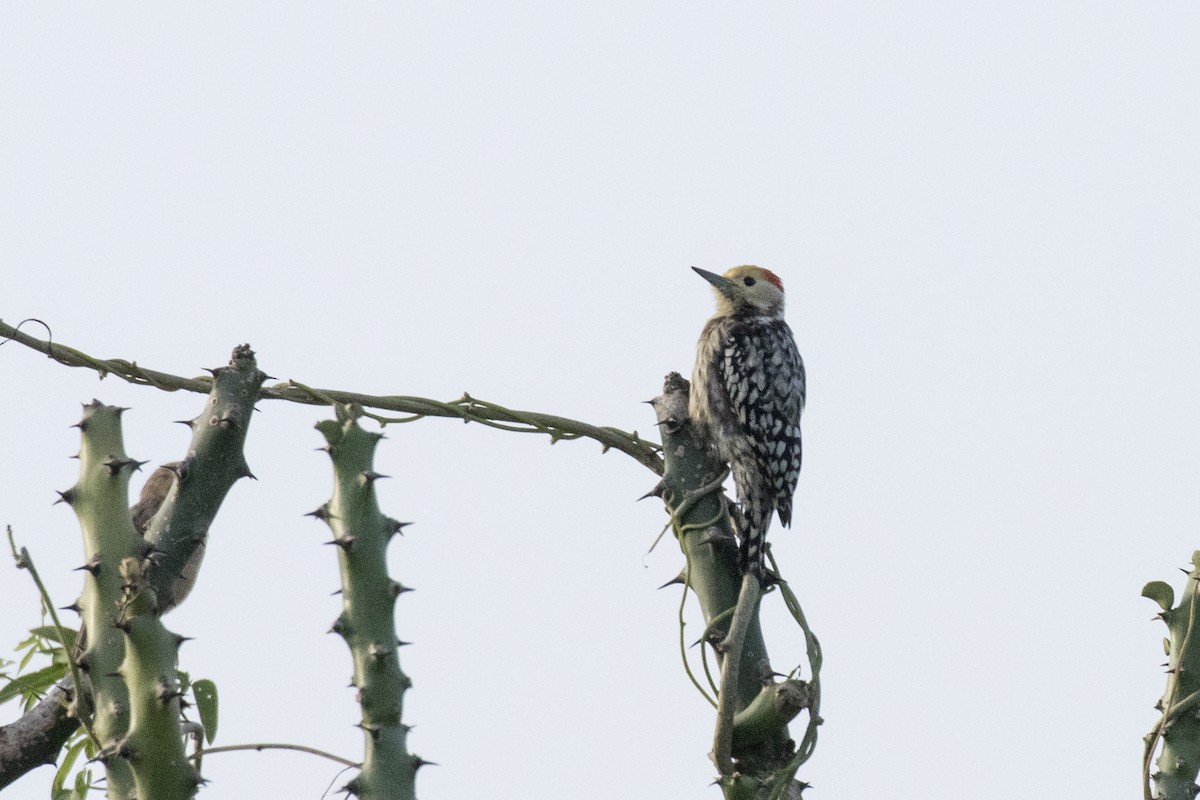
[369, 476]
[322, 513]
[344, 542]
[678, 579]
[191, 423]
[657, 491]
[419, 762]
[165, 691]
[402, 643]
[92, 566]
[115, 465]
[67, 497]
[73, 607]
[243, 471]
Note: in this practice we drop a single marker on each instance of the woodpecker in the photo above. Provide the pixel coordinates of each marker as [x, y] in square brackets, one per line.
[747, 395]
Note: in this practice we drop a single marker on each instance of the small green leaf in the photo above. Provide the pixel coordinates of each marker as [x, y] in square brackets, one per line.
[26, 658]
[11, 690]
[50, 633]
[83, 780]
[205, 692]
[34, 683]
[1161, 593]
[68, 761]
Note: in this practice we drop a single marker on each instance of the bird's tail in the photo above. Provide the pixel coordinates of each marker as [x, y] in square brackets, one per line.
[752, 551]
[756, 511]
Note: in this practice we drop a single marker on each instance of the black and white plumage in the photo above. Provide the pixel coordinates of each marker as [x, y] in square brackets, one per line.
[747, 395]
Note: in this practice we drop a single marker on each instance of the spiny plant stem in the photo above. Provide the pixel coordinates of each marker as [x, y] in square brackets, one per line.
[367, 622]
[466, 408]
[1176, 735]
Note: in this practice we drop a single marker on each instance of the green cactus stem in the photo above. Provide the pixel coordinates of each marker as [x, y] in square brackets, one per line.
[362, 533]
[691, 491]
[178, 523]
[154, 745]
[776, 705]
[100, 501]
[1177, 734]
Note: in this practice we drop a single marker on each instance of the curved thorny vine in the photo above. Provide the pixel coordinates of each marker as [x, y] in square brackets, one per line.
[466, 408]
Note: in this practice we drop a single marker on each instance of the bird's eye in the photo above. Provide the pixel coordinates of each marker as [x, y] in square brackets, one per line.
[748, 281]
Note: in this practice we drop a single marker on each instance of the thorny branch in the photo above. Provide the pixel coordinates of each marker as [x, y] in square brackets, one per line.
[466, 408]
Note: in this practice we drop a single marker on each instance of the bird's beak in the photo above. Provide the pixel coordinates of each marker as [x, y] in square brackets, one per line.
[722, 285]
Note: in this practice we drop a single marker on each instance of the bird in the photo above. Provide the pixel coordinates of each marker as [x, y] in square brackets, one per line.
[747, 394]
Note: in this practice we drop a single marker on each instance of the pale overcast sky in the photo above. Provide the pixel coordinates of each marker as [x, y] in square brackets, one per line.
[986, 217]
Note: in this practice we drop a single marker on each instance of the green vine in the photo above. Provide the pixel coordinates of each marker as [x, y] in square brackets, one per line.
[466, 408]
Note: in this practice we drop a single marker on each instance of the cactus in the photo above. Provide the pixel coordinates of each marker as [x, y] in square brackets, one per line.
[756, 738]
[99, 500]
[178, 529]
[129, 657]
[1178, 732]
[154, 745]
[361, 534]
